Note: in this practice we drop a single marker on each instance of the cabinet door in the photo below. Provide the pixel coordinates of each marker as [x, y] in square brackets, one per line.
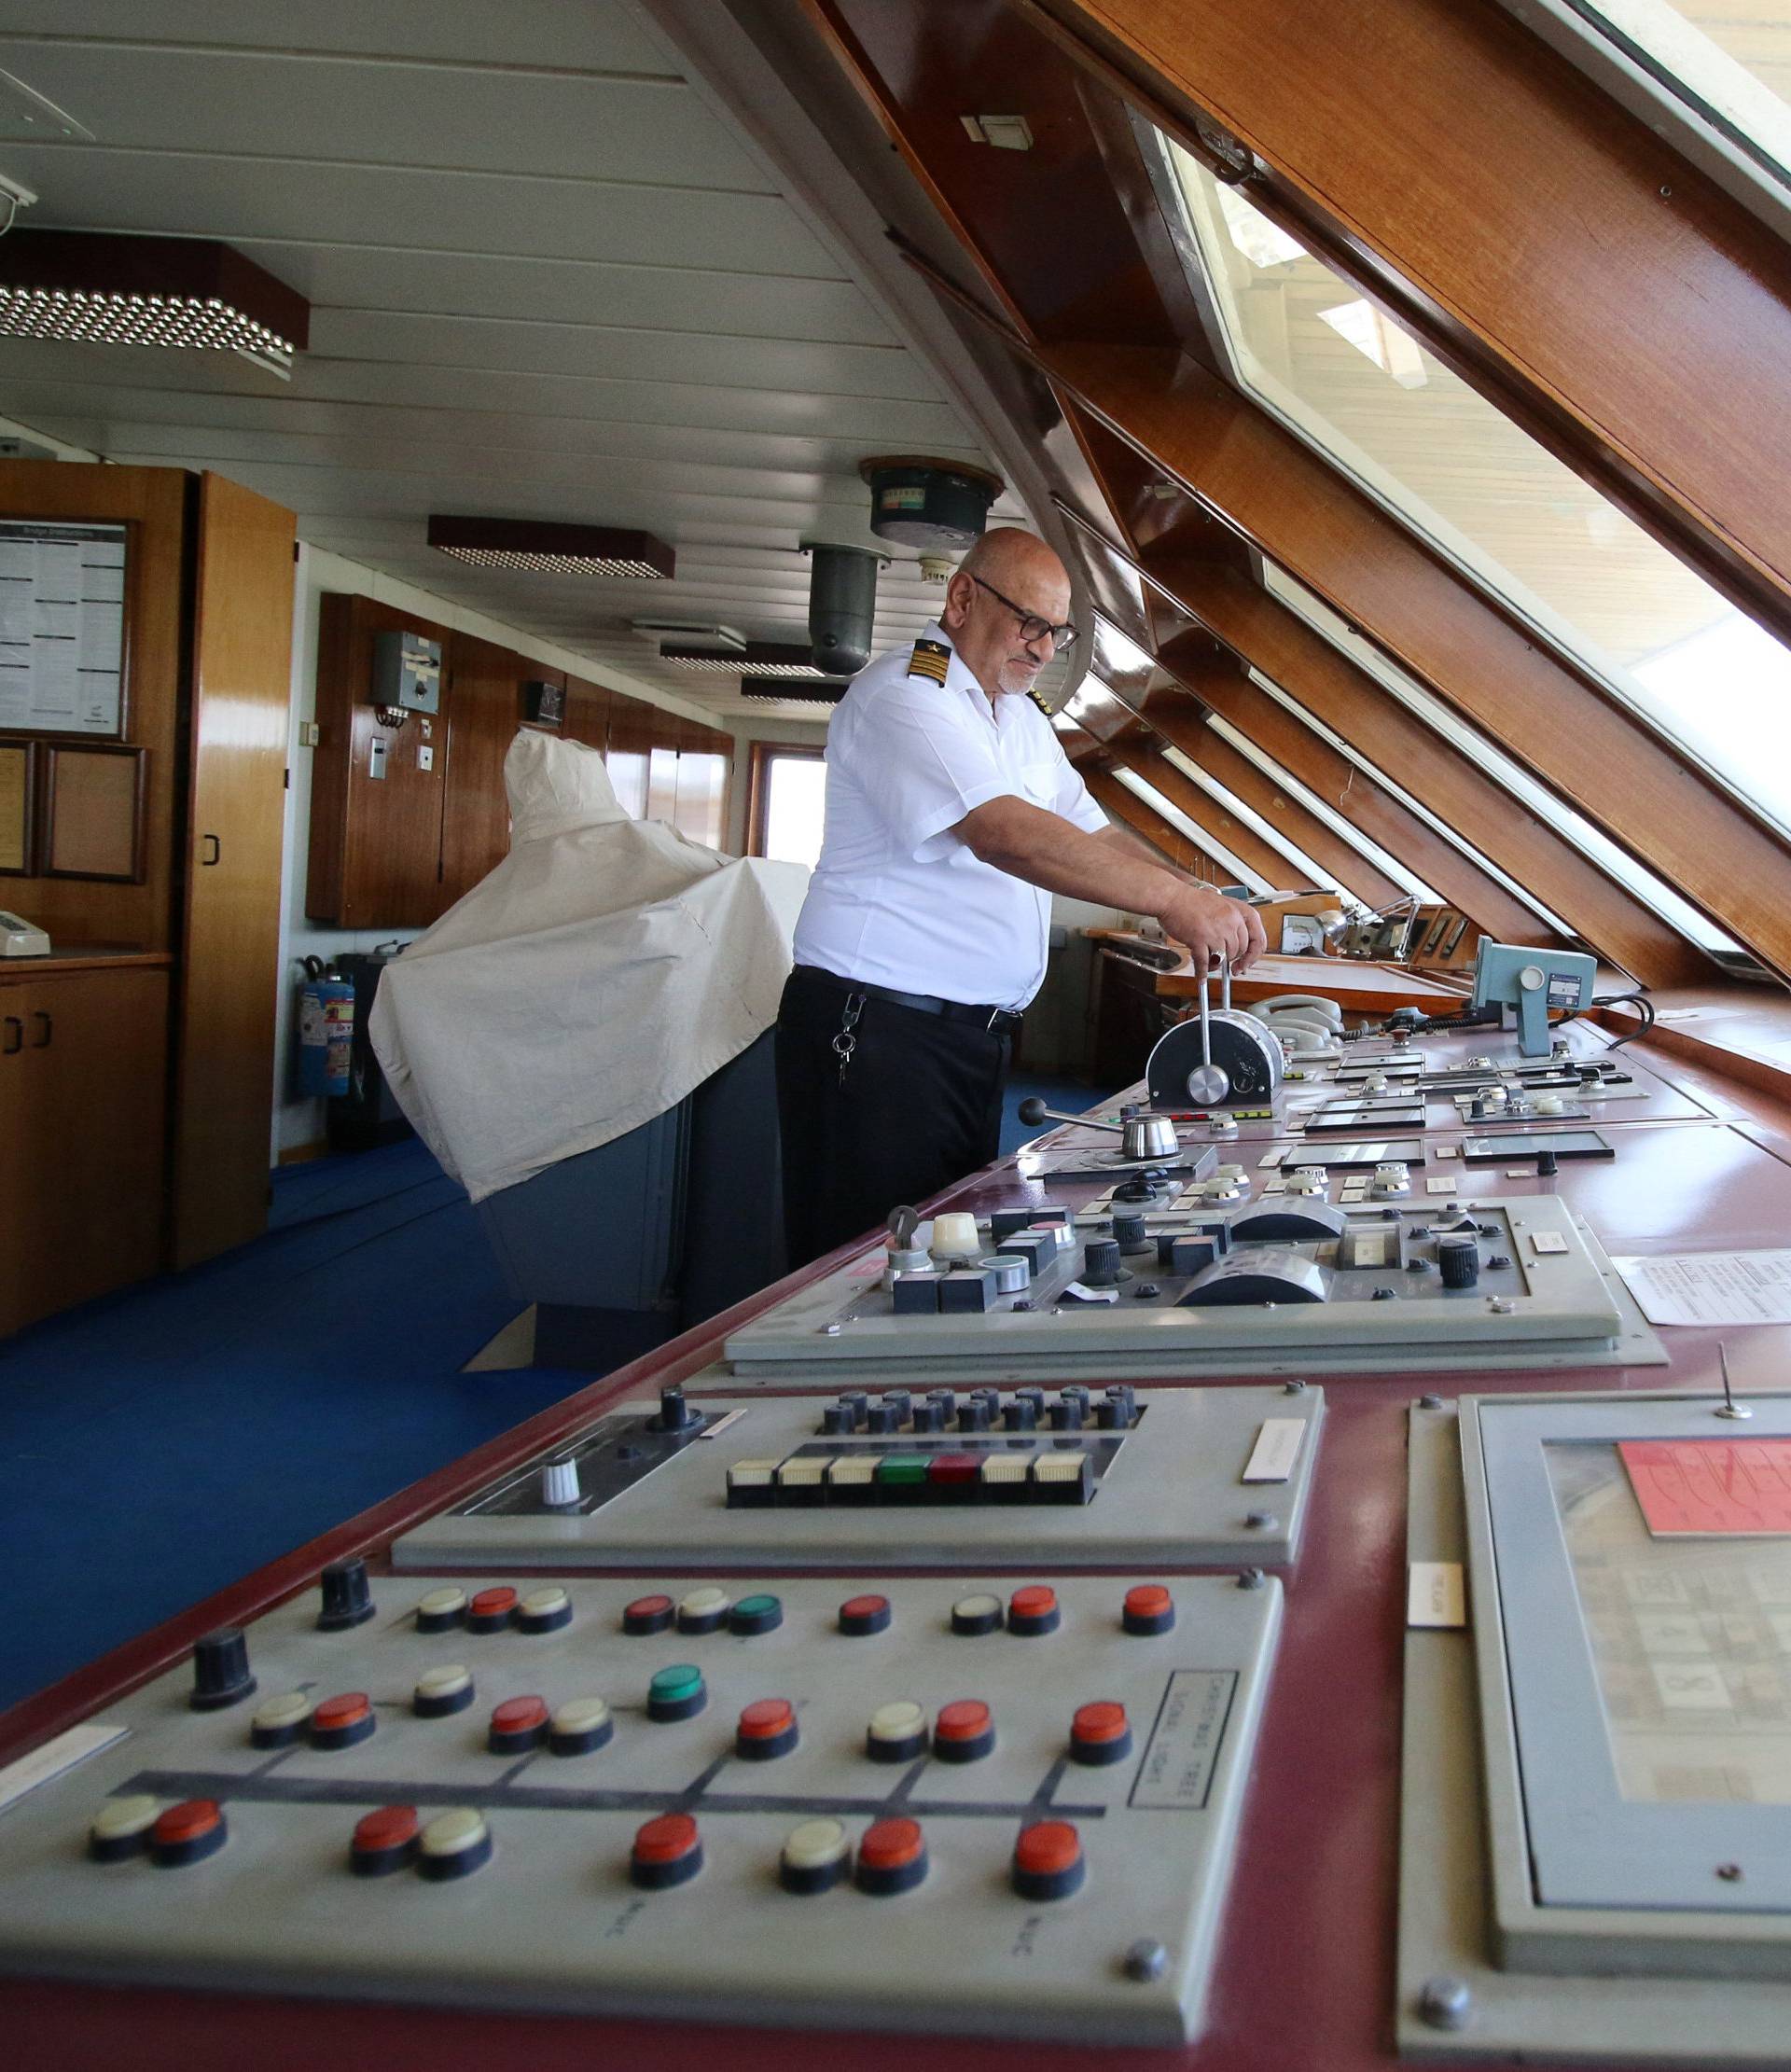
[83, 1112]
[229, 978]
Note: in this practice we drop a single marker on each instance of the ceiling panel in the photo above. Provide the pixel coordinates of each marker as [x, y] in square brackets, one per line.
[387, 112]
[519, 32]
[102, 187]
[548, 280]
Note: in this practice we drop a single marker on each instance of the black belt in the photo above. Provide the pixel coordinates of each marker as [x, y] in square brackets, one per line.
[998, 1020]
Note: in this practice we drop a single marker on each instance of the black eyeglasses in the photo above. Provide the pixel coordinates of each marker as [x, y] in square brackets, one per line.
[1032, 627]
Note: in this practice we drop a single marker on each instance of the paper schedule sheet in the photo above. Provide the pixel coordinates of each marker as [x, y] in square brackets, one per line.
[1711, 1287]
[62, 627]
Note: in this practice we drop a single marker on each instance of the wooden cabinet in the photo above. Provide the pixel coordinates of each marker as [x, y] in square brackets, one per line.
[83, 1116]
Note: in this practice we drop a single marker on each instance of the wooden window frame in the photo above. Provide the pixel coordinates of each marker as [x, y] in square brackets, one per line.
[759, 791]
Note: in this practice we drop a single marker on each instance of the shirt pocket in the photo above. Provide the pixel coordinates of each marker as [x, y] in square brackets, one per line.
[1038, 781]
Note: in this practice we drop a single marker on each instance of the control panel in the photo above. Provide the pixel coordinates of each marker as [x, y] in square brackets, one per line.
[1285, 1283]
[892, 1478]
[973, 1805]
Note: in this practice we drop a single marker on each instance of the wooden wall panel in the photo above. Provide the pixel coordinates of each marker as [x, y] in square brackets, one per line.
[587, 710]
[157, 504]
[375, 844]
[484, 704]
[228, 977]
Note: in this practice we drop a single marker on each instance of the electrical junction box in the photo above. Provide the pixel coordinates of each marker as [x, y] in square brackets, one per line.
[406, 672]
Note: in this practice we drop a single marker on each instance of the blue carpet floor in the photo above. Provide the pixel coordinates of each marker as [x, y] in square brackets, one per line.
[158, 1444]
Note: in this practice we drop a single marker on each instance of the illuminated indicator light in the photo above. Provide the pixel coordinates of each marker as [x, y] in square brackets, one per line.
[544, 1610]
[1010, 1469]
[278, 1721]
[676, 1693]
[896, 1733]
[580, 1727]
[851, 1479]
[448, 1688]
[667, 1850]
[1034, 1610]
[489, 1610]
[122, 1827]
[1047, 1861]
[892, 1858]
[750, 1484]
[185, 1833]
[1149, 1609]
[802, 1479]
[765, 1729]
[859, 1616]
[648, 1615]
[760, 1614]
[455, 1845]
[813, 1857]
[955, 1473]
[442, 1609]
[384, 1841]
[1100, 1734]
[965, 1730]
[341, 1722]
[702, 1611]
[978, 1613]
[518, 1725]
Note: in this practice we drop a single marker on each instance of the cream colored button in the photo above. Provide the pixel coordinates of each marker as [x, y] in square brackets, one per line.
[543, 1604]
[899, 1721]
[580, 1715]
[119, 1818]
[977, 1606]
[954, 1237]
[706, 1602]
[446, 1680]
[450, 1833]
[291, 1708]
[815, 1845]
[442, 1604]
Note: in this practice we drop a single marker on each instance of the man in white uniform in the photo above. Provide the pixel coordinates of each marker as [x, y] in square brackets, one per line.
[952, 814]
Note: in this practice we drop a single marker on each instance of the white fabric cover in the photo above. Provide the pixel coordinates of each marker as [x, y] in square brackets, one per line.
[604, 968]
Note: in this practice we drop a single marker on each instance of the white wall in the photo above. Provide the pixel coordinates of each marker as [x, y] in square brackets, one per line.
[793, 733]
[298, 1121]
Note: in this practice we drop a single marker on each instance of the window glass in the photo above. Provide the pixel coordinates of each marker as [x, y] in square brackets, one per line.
[1388, 866]
[1729, 58]
[662, 783]
[1653, 892]
[701, 796]
[628, 778]
[1351, 383]
[1314, 873]
[1185, 824]
[795, 793]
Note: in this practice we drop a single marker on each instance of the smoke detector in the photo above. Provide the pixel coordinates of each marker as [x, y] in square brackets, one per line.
[937, 568]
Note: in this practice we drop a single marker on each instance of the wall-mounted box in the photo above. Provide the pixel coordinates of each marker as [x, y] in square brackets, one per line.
[406, 670]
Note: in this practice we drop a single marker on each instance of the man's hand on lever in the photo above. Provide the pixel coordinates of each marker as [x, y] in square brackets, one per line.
[1213, 926]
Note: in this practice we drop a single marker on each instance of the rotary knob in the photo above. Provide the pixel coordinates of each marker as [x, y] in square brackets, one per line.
[346, 1599]
[1458, 1257]
[220, 1670]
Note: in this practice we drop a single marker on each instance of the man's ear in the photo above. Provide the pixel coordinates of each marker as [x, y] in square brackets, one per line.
[959, 592]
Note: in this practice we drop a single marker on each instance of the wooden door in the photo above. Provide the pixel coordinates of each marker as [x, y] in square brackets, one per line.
[229, 977]
[484, 704]
[83, 1101]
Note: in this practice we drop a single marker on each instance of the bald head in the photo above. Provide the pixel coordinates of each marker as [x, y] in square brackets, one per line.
[1007, 576]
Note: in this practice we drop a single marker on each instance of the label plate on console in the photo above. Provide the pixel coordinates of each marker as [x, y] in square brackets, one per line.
[1176, 1774]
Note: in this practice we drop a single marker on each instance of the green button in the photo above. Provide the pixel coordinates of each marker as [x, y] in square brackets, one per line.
[670, 1687]
[756, 1608]
[902, 1467]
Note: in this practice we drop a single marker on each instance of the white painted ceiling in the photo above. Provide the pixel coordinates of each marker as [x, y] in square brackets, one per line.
[547, 280]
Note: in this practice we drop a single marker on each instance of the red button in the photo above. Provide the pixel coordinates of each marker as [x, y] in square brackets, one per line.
[348, 1710]
[647, 1607]
[954, 1468]
[492, 1604]
[964, 1720]
[765, 1718]
[1047, 1849]
[1147, 1601]
[665, 1839]
[864, 1608]
[892, 1844]
[187, 1822]
[1034, 1602]
[519, 1715]
[390, 1827]
[1100, 1722]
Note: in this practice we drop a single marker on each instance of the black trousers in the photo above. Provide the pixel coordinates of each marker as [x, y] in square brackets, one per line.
[914, 1105]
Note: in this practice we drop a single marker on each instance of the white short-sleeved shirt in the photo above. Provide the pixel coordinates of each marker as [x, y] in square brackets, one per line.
[897, 898]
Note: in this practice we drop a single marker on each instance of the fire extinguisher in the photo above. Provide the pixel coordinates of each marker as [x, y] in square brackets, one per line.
[326, 1029]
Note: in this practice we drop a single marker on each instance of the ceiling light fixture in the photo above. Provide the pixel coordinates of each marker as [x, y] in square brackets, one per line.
[96, 287]
[769, 690]
[546, 548]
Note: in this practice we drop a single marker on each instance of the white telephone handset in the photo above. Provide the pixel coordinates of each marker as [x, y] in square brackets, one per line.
[19, 939]
[1306, 1007]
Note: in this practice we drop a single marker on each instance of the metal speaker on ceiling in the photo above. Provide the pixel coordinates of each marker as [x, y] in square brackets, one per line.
[843, 602]
[937, 507]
